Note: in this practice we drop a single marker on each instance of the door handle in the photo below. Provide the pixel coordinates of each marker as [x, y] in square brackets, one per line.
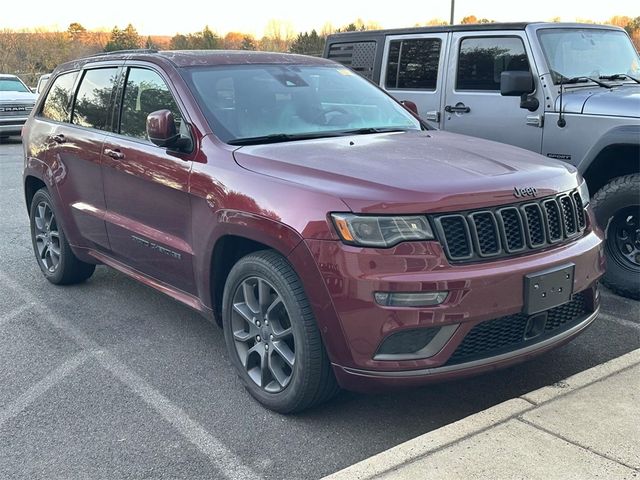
[59, 138]
[458, 108]
[115, 154]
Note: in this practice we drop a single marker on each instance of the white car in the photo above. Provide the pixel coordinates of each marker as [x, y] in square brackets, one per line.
[16, 102]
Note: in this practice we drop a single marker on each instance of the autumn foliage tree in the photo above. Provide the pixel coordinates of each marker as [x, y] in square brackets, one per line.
[206, 39]
[126, 39]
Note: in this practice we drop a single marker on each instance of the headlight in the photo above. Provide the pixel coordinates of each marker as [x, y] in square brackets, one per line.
[372, 231]
[583, 191]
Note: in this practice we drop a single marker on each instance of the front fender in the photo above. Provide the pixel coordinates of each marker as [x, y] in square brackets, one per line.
[620, 135]
[225, 222]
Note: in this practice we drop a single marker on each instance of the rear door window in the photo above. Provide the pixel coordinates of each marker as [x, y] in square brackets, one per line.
[413, 64]
[145, 92]
[92, 107]
[57, 105]
[482, 59]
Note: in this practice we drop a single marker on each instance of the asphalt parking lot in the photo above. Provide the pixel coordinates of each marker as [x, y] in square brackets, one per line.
[111, 379]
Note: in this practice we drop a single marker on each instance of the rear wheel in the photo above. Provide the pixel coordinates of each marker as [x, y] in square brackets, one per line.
[272, 336]
[617, 209]
[53, 253]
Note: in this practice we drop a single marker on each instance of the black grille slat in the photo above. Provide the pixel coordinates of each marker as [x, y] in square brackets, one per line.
[568, 215]
[456, 236]
[505, 334]
[581, 218]
[535, 225]
[512, 231]
[486, 233]
[504, 231]
[554, 224]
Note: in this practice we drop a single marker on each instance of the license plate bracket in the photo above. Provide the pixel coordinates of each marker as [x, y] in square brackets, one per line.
[548, 288]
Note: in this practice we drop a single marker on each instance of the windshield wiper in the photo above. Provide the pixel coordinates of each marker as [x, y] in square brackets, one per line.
[280, 137]
[619, 76]
[367, 130]
[572, 80]
[291, 137]
[564, 80]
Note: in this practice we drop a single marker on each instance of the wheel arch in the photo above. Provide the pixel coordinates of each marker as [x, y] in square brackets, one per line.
[31, 185]
[239, 234]
[615, 154]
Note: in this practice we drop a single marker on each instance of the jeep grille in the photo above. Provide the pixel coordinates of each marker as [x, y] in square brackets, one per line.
[504, 231]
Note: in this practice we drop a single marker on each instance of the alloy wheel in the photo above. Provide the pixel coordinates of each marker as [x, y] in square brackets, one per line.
[263, 335]
[47, 237]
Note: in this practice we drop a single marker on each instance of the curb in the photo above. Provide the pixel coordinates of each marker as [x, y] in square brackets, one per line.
[448, 435]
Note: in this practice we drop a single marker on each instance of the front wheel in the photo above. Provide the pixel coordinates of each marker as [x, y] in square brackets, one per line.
[53, 253]
[617, 209]
[272, 336]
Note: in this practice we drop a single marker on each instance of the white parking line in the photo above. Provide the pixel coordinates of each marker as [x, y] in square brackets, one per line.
[37, 390]
[220, 456]
[7, 317]
[229, 465]
[619, 321]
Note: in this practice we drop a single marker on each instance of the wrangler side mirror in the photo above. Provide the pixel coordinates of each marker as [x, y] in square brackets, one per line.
[518, 83]
[514, 83]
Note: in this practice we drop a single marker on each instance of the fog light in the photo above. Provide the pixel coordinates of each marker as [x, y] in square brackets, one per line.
[417, 299]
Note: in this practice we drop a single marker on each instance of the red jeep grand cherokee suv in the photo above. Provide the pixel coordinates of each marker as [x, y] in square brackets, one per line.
[336, 239]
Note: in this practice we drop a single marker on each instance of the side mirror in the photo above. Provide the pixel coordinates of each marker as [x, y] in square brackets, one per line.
[411, 106]
[161, 128]
[516, 83]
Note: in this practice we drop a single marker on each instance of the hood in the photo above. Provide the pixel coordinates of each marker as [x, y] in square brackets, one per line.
[410, 172]
[621, 101]
[18, 97]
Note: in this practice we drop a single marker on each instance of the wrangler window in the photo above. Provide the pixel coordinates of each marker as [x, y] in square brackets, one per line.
[482, 59]
[413, 64]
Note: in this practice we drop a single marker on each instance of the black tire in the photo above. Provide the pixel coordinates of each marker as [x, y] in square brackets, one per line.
[311, 379]
[617, 210]
[68, 269]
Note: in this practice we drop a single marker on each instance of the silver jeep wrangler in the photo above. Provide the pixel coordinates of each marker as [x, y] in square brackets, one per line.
[568, 91]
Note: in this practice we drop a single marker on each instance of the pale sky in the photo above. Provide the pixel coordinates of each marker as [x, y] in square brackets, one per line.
[251, 16]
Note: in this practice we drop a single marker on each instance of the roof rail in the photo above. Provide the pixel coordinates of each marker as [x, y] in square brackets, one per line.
[131, 50]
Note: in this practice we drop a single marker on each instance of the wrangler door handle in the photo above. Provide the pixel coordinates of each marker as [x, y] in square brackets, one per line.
[115, 154]
[59, 138]
[458, 108]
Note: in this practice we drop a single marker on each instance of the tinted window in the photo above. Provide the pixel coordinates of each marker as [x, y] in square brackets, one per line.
[145, 92]
[413, 64]
[91, 108]
[483, 59]
[57, 105]
[12, 85]
[246, 101]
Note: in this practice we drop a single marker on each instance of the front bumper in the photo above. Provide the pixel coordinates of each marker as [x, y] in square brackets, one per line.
[12, 125]
[369, 381]
[477, 293]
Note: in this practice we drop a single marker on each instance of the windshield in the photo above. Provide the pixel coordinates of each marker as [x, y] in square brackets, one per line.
[12, 85]
[588, 52]
[289, 102]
